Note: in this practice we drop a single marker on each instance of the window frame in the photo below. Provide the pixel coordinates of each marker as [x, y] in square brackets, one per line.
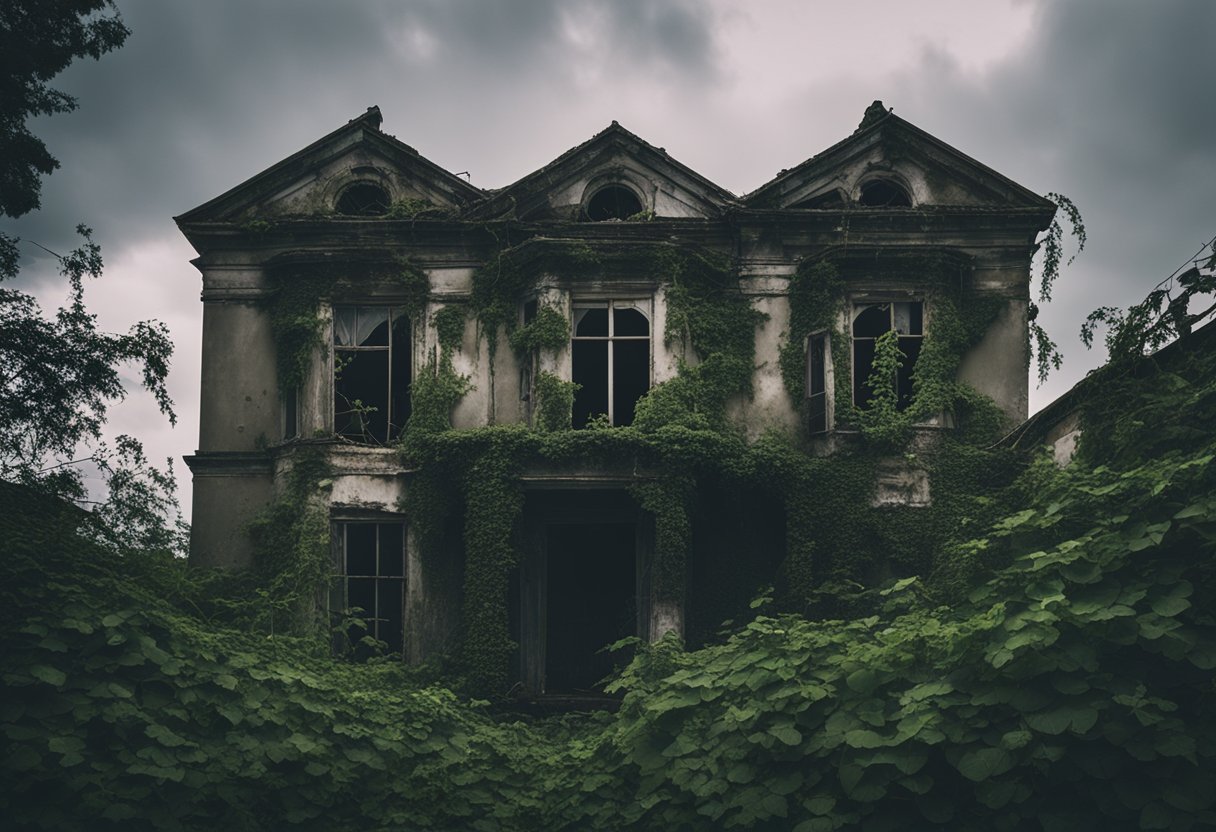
[827, 394]
[890, 301]
[375, 622]
[644, 305]
[394, 422]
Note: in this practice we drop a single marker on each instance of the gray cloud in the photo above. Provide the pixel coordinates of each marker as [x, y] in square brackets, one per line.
[1107, 102]
[205, 95]
[1110, 103]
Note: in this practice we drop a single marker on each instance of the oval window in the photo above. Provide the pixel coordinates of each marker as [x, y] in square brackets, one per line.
[883, 193]
[363, 199]
[614, 202]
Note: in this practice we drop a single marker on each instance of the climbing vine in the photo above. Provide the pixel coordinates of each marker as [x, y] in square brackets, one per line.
[957, 320]
[549, 330]
[670, 501]
[294, 306]
[1046, 354]
[554, 401]
[291, 539]
[1053, 671]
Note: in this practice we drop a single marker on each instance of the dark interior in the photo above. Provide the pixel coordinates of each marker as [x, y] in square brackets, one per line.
[882, 193]
[591, 602]
[613, 203]
[363, 199]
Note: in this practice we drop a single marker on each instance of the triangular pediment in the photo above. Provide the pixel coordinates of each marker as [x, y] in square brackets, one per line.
[313, 181]
[884, 156]
[564, 189]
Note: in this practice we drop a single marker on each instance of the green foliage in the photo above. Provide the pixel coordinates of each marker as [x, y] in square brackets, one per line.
[295, 303]
[1042, 347]
[436, 389]
[1053, 671]
[291, 538]
[554, 398]
[549, 330]
[493, 503]
[449, 327]
[1161, 317]
[295, 322]
[500, 284]
[881, 421]
[1053, 244]
[817, 301]
[710, 318]
[58, 376]
[670, 500]
[957, 321]
[40, 41]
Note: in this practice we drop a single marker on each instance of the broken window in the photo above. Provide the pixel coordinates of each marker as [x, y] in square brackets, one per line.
[884, 193]
[818, 359]
[371, 372]
[872, 320]
[615, 202]
[610, 350]
[371, 584]
[363, 199]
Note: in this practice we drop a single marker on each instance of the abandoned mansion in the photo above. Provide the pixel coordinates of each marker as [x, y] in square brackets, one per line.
[525, 421]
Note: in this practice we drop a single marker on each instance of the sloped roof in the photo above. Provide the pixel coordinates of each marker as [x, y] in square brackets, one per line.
[533, 187]
[881, 125]
[361, 130]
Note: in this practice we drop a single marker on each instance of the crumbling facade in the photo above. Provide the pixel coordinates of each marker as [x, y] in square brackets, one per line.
[342, 280]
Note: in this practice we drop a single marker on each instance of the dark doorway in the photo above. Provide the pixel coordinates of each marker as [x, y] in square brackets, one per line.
[591, 601]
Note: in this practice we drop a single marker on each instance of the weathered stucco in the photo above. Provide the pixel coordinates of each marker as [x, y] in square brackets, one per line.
[241, 410]
[443, 226]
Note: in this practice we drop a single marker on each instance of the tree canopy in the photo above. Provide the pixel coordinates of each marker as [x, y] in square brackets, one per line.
[38, 40]
[59, 374]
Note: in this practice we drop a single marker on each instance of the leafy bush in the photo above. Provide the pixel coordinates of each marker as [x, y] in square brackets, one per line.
[1053, 672]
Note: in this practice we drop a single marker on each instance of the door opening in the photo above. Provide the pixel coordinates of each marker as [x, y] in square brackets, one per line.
[591, 601]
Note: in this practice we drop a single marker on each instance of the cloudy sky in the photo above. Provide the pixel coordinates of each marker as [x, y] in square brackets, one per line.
[1107, 101]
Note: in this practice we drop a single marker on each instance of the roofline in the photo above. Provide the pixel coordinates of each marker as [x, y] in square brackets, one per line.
[369, 122]
[1069, 401]
[889, 118]
[613, 129]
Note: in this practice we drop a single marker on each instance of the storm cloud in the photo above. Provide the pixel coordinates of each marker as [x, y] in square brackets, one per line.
[1107, 102]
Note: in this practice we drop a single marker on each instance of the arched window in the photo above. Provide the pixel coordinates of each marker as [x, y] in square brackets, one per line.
[613, 202]
[884, 193]
[611, 355]
[870, 322]
[363, 199]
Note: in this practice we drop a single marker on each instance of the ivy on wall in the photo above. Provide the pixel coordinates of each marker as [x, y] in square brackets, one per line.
[291, 538]
[834, 550]
[957, 320]
[294, 306]
[1054, 672]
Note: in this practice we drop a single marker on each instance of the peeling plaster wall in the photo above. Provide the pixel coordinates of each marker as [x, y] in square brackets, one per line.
[998, 365]
[223, 506]
[241, 408]
[769, 407]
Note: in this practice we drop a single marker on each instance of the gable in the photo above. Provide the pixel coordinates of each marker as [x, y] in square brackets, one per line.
[614, 166]
[888, 162]
[356, 164]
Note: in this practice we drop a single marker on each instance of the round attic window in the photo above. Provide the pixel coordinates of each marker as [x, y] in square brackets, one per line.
[363, 199]
[614, 202]
[884, 193]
